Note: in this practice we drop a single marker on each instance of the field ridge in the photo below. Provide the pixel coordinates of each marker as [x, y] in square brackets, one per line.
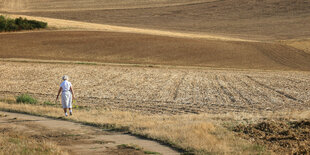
[64, 24]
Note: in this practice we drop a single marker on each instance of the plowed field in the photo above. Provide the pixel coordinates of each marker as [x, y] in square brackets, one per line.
[151, 49]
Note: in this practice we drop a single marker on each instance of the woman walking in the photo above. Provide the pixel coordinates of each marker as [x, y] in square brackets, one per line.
[66, 95]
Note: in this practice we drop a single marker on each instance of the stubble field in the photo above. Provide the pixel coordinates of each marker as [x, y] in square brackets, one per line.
[162, 90]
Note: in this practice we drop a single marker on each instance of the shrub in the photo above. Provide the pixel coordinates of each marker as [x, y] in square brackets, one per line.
[8, 24]
[37, 24]
[25, 98]
[2, 23]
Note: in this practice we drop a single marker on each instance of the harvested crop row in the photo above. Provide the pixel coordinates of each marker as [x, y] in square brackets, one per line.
[161, 90]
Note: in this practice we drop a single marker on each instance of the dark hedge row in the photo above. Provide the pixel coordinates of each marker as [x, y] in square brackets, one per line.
[8, 24]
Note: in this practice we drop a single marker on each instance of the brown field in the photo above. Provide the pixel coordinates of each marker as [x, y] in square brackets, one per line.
[111, 47]
[162, 90]
[58, 5]
[251, 19]
[208, 33]
[205, 64]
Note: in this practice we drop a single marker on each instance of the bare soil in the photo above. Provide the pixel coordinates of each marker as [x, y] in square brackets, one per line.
[60, 5]
[251, 19]
[112, 47]
[282, 136]
[76, 138]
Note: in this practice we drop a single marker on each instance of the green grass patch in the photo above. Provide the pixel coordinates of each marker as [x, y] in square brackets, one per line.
[48, 103]
[86, 63]
[14, 140]
[8, 24]
[150, 152]
[25, 98]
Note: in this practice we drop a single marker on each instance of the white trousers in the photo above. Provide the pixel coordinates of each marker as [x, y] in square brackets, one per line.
[66, 99]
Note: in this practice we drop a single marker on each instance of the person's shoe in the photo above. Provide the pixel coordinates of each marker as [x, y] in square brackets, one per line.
[66, 114]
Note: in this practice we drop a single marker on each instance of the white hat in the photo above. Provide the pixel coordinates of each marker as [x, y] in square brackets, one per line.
[65, 77]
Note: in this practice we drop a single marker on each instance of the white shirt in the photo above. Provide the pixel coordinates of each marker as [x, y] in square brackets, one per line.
[65, 85]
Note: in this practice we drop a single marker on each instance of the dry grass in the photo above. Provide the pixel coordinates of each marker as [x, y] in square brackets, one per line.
[12, 142]
[195, 133]
[302, 44]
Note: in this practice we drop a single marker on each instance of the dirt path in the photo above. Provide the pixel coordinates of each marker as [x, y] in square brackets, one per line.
[77, 138]
[71, 25]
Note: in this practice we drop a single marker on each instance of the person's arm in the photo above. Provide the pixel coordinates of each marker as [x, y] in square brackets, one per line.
[71, 89]
[60, 89]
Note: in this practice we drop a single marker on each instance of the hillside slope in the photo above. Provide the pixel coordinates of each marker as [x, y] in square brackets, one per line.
[248, 19]
[115, 47]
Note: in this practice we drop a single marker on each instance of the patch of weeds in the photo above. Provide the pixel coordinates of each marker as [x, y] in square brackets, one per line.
[150, 152]
[103, 142]
[94, 148]
[48, 103]
[129, 146]
[135, 147]
[79, 107]
[191, 153]
[255, 148]
[71, 135]
[40, 150]
[75, 107]
[25, 98]
[86, 63]
[14, 140]
[9, 101]
[3, 115]
[229, 125]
